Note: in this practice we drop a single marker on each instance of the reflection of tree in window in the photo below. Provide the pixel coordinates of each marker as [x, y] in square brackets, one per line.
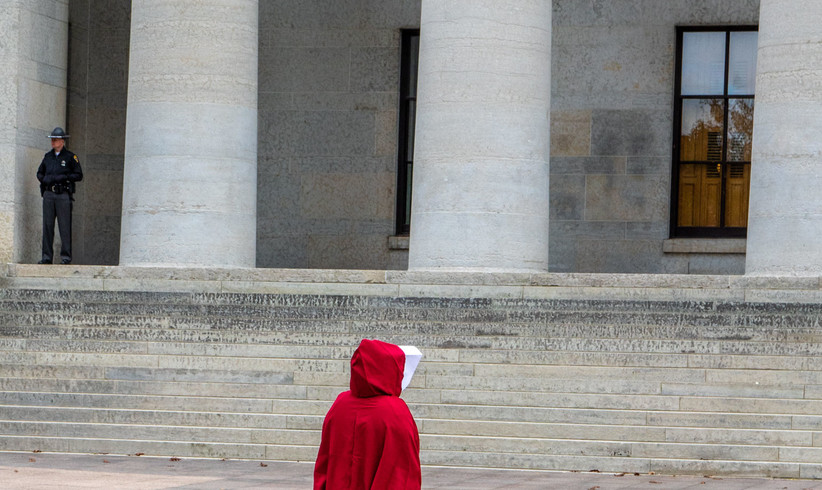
[740, 130]
[702, 130]
[714, 110]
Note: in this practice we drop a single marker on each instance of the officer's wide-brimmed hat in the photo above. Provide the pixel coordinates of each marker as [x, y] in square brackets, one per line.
[58, 133]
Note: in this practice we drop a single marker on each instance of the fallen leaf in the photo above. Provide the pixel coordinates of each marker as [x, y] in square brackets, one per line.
[139, 454]
[32, 460]
[16, 471]
[594, 488]
[651, 473]
[593, 471]
[37, 451]
[263, 465]
[106, 461]
[174, 459]
[655, 482]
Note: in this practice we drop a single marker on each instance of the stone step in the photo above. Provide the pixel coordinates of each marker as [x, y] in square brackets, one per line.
[209, 389]
[614, 464]
[429, 309]
[505, 344]
[138, 402]
[595, 409]
[440, 443]
[318, 399]
[167, 433]
[441, 301]
[719, 428]
[560, 447]
[619, 464]
[586, 416]
[133, 447]
[434, 377]
[160, 417]
[644, 433]
[607, 384]
[334, 320]
[301, 333]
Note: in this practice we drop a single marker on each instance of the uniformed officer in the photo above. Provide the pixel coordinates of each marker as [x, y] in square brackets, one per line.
[57, 173]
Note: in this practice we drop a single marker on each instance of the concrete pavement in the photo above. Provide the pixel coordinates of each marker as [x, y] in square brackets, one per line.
[66, 471]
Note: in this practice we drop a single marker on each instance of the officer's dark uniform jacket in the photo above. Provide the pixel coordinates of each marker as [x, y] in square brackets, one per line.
[58, 173]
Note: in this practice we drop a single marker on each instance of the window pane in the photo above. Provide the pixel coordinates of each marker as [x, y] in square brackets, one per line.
[700, 194]
[737, 187]
[409, 168]
[703, 63]
[412, 117]
[701, 138]
[413, 58]
[742, 63]
[740, 129]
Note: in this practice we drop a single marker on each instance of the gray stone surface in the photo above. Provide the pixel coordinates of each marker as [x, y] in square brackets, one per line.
[785, 168]
[328, 111]
[189, 192]
[34, 54]
[613, 61]
[97, 115]
[481, 152]
[328, 102]
[246, 363]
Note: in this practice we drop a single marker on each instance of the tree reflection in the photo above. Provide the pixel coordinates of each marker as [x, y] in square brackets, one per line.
[702, 121]
[740, 130]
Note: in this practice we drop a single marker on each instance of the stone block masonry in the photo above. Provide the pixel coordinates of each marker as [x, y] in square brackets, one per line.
[624, 373]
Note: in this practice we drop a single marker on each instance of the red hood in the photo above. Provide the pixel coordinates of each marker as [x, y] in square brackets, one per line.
[376, 369]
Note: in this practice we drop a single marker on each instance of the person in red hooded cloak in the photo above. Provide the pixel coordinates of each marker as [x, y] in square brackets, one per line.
[369, 437]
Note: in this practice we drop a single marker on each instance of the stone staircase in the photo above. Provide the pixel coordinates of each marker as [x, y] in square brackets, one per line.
[624, 374]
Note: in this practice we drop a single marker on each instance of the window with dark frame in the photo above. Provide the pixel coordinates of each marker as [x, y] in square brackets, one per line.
[713, 130]
[409, 54]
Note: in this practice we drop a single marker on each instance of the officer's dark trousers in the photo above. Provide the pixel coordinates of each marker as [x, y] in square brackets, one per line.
[56, 206]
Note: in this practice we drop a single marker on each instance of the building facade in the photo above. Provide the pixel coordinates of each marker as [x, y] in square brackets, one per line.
[529, 135]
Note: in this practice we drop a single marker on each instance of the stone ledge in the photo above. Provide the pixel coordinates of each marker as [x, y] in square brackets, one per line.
[704, 245]
[398, 242]
[194, 273]
[417, 283]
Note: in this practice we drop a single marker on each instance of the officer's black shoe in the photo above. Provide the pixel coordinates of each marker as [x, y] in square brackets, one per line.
[65, 261]
[44, 261]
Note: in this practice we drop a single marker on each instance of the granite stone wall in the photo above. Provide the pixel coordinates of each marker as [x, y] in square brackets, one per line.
[98, 80]
[328, 99]
[611, 133]
[327, 131]
[33, 57]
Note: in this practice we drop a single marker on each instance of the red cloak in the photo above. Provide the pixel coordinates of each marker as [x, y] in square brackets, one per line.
[369, 437]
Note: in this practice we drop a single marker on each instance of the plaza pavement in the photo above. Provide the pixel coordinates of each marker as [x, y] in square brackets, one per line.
[33, 471]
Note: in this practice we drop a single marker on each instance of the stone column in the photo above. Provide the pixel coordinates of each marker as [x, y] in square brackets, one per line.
[785, 217]
[480, 189]
[190, 180]
[34, 60]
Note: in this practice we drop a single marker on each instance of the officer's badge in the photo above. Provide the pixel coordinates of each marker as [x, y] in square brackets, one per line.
[63, 163]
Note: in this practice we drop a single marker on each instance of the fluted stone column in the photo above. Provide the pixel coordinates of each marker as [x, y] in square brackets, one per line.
[189, 196]
[785, 218]
[33, 74]
[480, 190]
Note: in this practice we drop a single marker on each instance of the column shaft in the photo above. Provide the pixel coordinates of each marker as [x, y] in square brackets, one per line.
[785, 218]
[480, 190]
[189, 196]
[34, 60]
